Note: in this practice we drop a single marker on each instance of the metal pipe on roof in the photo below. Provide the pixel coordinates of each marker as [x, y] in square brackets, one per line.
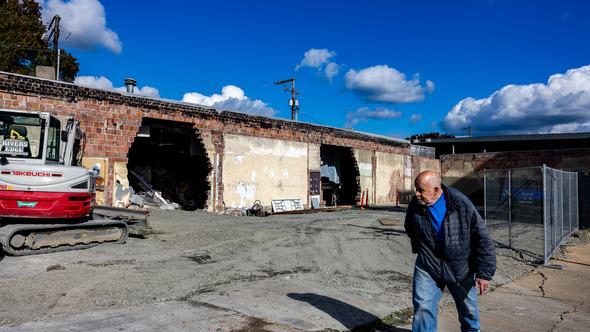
[131, 84]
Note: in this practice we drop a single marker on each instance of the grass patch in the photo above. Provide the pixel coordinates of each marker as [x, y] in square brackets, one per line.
[399, 317]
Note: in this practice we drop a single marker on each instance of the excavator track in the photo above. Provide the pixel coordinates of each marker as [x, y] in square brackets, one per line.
[33, 238]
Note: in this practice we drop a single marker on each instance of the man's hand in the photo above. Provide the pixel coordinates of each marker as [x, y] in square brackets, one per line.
[481, 284]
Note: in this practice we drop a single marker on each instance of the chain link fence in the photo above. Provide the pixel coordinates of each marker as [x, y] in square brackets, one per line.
[532, 210]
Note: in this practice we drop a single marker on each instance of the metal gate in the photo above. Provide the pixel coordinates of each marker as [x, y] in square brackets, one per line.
[532, 210]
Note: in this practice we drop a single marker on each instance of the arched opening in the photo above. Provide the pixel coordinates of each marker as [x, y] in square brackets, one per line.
[171, 158]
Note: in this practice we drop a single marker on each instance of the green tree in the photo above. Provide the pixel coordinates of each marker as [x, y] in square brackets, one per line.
[22, 47]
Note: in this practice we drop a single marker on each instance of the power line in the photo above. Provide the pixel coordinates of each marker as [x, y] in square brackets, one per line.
[348, 110]
[30, 48]
[176, 75]
[309, 117]
[146, 66]
[327, 102]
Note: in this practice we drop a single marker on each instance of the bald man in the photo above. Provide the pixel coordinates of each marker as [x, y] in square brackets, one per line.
[455, 250]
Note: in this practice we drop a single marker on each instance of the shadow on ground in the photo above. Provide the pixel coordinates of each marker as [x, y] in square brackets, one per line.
[349, 316]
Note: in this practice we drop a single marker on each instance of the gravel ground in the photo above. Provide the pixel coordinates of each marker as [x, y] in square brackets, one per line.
[196, 257]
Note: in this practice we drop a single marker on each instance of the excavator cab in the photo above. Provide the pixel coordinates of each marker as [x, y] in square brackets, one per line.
[21, 136]
[28, 135]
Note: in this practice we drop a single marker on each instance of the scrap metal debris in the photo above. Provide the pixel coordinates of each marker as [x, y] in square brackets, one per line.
[151, 197]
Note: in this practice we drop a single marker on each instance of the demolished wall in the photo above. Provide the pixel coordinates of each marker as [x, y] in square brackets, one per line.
[232, 143]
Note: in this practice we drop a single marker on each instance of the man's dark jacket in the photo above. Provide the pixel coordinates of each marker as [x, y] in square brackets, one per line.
[468, 247]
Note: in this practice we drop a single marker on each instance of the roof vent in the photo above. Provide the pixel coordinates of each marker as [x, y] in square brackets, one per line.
[131, 84]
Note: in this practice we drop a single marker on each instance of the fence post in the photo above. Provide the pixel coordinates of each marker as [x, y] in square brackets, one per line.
[485, 197]
[545, 215]
[569, 195]
[510, 208]
[561, 204]
[555, 211]
[577, 227]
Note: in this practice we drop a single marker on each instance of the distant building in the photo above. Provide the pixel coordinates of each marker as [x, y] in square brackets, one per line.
[464, 159]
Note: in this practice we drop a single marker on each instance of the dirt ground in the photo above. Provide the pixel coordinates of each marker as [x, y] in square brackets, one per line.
[276, 273]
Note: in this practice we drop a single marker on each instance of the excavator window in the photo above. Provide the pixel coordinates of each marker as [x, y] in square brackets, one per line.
[21, 135]
[53, 137]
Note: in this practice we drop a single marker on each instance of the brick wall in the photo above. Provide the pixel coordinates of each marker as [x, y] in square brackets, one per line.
[111, 120]
[465, 171]
[561, 159]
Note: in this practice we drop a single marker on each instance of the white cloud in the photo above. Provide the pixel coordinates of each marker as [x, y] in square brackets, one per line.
[364, 114]
[85, 20]
[147, 91]
[232, 98]
[570, 128]
[415, 118]
[332, 69]
[229, 91]
[316, 58]
[561, 105]
[320, 59]
[105, 84]
[386, 85]
[95, 82]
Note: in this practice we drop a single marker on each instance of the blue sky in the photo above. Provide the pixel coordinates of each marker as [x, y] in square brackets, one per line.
[394, 68]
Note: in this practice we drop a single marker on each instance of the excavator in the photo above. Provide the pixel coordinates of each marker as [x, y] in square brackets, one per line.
[47, 198]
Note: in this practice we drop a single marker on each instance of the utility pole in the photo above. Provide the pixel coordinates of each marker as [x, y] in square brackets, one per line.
[293, 102]
[468, 128]
[55, 33]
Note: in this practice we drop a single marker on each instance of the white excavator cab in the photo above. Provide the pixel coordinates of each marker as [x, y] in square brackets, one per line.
[23, 136]
[38, 138]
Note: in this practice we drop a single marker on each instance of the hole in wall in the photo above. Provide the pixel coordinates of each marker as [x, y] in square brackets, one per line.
[339, 175]
[171, 158]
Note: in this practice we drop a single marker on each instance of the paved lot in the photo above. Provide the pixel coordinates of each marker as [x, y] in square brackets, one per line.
[198, 271]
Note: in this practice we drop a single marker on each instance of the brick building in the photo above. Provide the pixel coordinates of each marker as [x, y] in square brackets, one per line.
[211, 159]
[463, 160]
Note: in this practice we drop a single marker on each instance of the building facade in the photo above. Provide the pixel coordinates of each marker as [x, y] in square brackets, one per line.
[203, 158]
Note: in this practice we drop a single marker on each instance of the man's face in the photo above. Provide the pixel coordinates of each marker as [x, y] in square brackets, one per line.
[426, 194]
